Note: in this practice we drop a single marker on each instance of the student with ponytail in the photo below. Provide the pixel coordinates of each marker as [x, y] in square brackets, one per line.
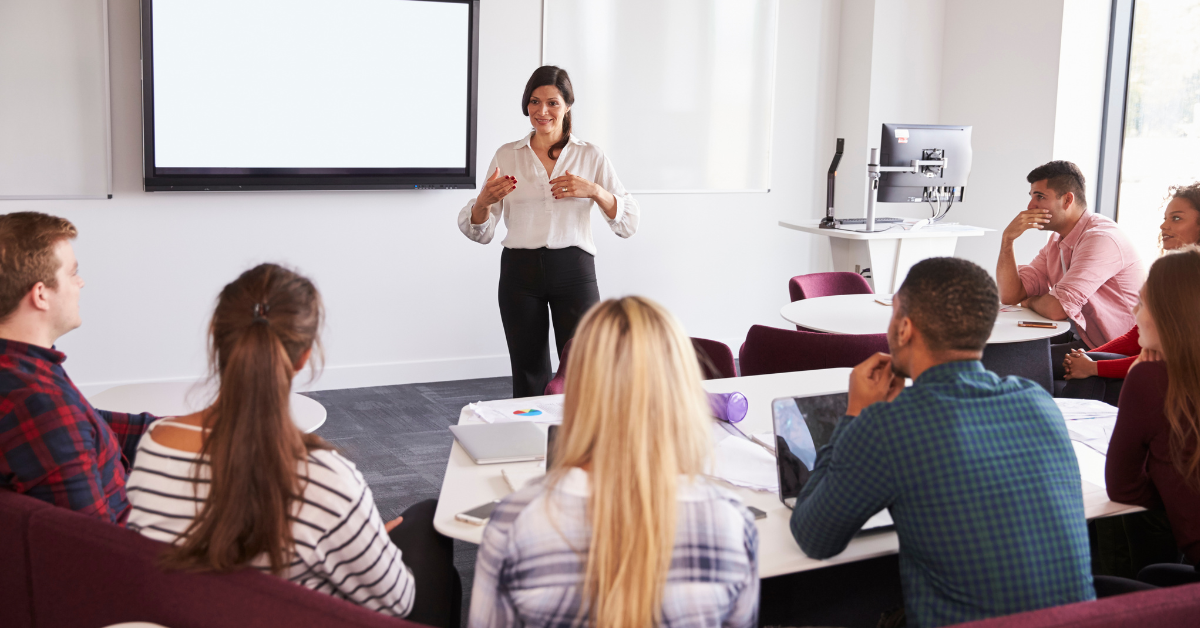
[624, 530]
[544, 187]
[238, 484]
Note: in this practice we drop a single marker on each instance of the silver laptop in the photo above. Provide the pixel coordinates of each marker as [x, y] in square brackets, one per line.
[802, 426]
[494, 443]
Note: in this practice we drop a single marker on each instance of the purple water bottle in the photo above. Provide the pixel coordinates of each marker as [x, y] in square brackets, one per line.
[729, 407]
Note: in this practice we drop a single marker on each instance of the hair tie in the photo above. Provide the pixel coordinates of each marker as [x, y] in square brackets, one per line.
[260, 312]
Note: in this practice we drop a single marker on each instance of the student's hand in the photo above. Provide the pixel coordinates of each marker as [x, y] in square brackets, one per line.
[391, 525]
[1078, 365]
[1026, 220]
[871, 382]
[573, 186]
[1147, 355]
[496, 188]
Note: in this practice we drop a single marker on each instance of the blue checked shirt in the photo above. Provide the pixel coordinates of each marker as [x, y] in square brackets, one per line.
[982, 482]
[530, 566]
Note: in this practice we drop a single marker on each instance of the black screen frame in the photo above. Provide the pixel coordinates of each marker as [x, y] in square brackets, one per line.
[249, 179]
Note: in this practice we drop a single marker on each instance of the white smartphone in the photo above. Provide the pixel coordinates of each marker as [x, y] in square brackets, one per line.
[479, 515]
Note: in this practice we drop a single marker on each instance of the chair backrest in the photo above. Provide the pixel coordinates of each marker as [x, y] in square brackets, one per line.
[81, 571]
[1174, 606]
[816, 285]
[774, 350]
[716, 362]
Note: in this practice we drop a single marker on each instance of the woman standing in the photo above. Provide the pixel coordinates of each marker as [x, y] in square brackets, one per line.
[544, 187]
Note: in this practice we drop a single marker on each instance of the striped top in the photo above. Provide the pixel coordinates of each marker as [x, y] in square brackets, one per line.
[342, 548]
[530, 567]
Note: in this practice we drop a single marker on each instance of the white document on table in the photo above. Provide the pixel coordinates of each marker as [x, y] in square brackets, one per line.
[742, 462]
[539, 410]
[1089, 422]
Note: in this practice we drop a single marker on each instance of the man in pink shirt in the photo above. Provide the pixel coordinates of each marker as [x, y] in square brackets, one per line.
[1087, 273]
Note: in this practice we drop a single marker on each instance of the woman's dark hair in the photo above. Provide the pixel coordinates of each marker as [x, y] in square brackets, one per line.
[556, 77]
[1189, 193]
[264, 323]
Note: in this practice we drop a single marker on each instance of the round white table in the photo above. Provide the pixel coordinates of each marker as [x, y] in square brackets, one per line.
[861, 314]
[180, 398]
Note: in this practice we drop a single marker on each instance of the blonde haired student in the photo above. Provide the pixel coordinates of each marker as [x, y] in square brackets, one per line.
[623, 530]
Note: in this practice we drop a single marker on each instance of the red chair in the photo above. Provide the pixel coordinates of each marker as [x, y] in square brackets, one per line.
[716, 362]
[774, 350]
[816, 285]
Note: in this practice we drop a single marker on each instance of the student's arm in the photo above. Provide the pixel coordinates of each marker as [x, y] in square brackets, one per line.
[851, 481]
[1140, 416]
[1047, 306]
[744, 613]
[44, 456]
[128, 428]
[491, 605]
[1013, 285]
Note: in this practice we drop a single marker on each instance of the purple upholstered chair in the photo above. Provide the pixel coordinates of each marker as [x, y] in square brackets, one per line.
[716, 362]
[827, 285]
[774, 350]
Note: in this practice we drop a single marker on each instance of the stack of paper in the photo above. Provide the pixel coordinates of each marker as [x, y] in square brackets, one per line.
[1089, 422]
[539, 410]
[743, 462]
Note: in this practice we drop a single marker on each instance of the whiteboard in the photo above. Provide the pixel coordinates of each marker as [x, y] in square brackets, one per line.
[678, 93]
[54, 99]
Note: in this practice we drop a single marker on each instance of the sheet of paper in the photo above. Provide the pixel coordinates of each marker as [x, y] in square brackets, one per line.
[1011, 308]
[1094, 433]
[1078, 409]
[540, 410]
[742, 462]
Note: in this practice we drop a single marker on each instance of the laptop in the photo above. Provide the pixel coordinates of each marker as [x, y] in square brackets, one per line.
[494, 443]
[803, 425]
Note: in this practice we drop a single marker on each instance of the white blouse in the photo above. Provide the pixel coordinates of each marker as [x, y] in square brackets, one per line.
[533, 217]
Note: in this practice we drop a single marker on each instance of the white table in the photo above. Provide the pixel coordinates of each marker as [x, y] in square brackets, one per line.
[467, 484]
[888, 254]
[180, 398]
[861, 314]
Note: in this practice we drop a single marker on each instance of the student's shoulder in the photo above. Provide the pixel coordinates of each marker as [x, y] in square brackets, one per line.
[332, 473]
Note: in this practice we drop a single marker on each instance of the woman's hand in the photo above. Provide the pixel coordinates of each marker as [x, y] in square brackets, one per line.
[574, 186]
[391, 525]
[1147, 355]
[496, 188]
[1078, 365]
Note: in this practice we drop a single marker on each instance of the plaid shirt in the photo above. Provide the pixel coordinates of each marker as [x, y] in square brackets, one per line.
[530, 566]
[982, 482]
[53, 444]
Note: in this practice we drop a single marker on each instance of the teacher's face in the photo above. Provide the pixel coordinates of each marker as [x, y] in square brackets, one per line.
[547, 109]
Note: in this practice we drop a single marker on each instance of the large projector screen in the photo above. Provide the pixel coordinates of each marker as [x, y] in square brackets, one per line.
[309, 94]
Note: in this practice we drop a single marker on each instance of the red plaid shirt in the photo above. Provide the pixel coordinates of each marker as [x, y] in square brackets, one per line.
[53, 444]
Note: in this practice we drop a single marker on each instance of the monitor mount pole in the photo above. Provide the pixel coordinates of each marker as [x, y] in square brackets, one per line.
[828, 222]
[874, 170]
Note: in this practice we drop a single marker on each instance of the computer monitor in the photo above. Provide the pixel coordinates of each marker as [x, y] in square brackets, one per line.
[902, 144]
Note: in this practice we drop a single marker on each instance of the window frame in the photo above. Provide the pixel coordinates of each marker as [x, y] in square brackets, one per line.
[1116, 96]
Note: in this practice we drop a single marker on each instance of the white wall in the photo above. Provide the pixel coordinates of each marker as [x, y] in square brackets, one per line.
[408, 297]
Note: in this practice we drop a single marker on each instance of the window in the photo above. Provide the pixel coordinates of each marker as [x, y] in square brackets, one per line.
[1162, 116]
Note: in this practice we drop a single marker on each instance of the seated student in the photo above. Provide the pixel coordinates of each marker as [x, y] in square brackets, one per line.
[1088, 272]
[977, 470]
[238, 484]
[1154, 457]
[624, 530]
[1098, 374]
[53, 444]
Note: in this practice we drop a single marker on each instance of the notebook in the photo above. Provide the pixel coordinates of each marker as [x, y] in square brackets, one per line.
[802, 426]
[494, 443]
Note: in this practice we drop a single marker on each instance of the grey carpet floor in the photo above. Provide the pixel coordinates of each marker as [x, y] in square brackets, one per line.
[397, 436]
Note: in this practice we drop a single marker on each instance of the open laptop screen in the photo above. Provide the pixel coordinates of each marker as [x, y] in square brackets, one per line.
[802, 426]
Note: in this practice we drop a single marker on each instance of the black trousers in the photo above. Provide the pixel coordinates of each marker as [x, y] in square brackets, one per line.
[430, 556]
[530, 281]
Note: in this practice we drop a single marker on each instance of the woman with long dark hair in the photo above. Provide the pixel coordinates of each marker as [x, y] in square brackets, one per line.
[1154, 453]
[237, 484]
[544, 187]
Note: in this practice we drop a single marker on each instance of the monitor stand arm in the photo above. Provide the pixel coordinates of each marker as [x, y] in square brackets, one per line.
[828, 222]
[873, 172]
